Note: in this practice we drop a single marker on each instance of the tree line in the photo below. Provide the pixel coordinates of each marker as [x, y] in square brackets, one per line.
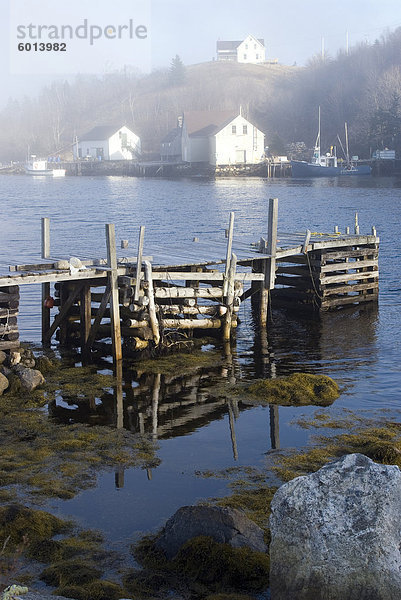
[361, 88]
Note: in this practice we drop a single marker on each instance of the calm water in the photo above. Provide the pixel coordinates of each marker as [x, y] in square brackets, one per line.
[359, 348]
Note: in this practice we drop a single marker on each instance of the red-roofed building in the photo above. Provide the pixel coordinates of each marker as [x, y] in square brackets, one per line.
[220, 138]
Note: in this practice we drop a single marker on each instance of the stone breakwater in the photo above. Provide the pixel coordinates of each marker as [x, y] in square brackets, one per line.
[19, 366]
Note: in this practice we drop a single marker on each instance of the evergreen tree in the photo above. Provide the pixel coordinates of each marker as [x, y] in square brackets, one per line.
[177, 72]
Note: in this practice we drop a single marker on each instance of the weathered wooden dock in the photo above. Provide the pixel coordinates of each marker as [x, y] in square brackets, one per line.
[152, 301]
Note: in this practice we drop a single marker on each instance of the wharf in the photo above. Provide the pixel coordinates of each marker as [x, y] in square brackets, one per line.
[151, 301]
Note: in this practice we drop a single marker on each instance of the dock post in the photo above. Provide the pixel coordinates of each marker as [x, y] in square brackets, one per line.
[269, 267]
[45, 286]
[228, 253]
[152, 308]
[230, 279]
[139, 263]
[114, 301]
[85, 321]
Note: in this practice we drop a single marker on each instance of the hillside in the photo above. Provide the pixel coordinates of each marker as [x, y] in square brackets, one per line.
[362, 88]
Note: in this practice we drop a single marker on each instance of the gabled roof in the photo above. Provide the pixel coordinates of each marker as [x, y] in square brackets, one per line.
[201, 123]
[231, 46]
[102, 132]
[227, 45]
[172, 135]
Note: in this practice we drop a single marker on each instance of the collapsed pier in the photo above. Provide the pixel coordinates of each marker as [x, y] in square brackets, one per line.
[151, 301]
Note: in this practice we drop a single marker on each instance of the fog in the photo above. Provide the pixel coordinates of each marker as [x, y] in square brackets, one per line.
[293, 31]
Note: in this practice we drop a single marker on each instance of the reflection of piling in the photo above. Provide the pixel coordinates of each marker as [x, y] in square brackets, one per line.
[274, 427]
[231, 418]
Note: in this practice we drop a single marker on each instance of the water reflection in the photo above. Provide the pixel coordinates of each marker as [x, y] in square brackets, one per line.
[165, 406]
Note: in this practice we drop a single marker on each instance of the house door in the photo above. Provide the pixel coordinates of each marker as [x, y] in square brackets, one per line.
[240, 156]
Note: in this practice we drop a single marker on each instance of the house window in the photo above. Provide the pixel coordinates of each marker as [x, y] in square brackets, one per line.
[99, 152]
[245, 129]
[257, 56]
[233, 129]
[245, 56]
[246, 46]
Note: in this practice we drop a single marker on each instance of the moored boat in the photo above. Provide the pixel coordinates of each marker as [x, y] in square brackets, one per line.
[41, 167]
[327, 165]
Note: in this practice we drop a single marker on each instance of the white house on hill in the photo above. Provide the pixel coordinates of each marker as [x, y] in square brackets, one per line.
[108, 143]
[250, 50]
[220, 138]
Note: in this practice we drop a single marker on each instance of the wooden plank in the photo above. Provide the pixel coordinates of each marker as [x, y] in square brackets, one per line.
[203, 277]
[347, 266]
[6, 312]
[360, 240]
[6, 328]
[176, 309]
[349, 277]
[347, 300]
[5, 297]
[31, 278]
[350, 253]
[63, 264]
[191, 323]
[10, 289]
[114, 304]
[345, 289]
[183, 292]
[9, 345]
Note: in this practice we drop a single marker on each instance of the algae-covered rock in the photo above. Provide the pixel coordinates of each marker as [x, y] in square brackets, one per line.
[30, 378]
[298, 389]
[336, 533]
[4, 383]
[223, 524]
[70, 573]
[17, 521]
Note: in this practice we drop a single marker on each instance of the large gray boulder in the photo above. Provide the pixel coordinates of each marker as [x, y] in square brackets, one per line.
[30, 378]
[336, 534]
[224, 525]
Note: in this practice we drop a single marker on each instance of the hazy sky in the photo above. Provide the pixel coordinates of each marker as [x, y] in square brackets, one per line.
[293, 32]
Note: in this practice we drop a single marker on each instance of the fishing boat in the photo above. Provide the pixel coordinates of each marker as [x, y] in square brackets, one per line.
[326, 165]
[41, 167]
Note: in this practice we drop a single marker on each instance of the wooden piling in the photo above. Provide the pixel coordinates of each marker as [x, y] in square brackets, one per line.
[114, 303]
[45, 286]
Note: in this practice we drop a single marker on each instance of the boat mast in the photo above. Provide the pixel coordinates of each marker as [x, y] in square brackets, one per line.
[346, 143]
[316, 155]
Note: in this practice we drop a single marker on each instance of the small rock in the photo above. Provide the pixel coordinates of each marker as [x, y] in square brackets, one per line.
[14, 358]
[4, 383]
[224, 525]
[3, 357]
[5, 371]
[335, 534]
[30, 378]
